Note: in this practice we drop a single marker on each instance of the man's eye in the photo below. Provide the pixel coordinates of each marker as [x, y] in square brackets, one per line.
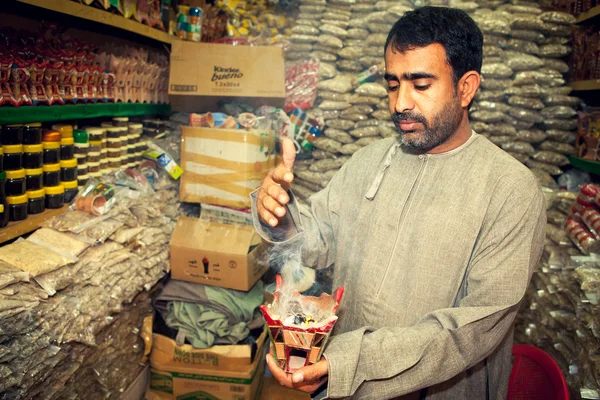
[422, 87]
[393, 88]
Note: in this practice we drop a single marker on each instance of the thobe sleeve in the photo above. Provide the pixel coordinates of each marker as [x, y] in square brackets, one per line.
[391, 362]
[312, 226]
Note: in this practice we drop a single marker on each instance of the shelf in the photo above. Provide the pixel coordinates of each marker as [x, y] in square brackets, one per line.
[589, 14]
[25, 114]
[15, 229]
[593, 84]
[89, 13]
[592, 167]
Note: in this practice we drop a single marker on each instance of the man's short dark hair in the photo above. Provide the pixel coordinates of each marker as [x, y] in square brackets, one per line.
[450, 27]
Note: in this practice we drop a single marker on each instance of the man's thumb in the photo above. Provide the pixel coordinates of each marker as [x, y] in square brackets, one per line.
[288, 151]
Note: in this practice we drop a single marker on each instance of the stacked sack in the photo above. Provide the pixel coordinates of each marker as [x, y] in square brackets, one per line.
[350, 35]
[523, 105]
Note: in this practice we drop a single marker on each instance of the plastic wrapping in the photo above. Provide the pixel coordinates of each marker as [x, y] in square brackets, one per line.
[330, 41]
[582, 237]
[334, 105]
[562, 112]
[297, 38]
[327, 71]
[527, 23]
[554, 50]
[490, 95]
[495, 84]
[519, 147]
[338, 84]
[531, 77]
[560, 100]
[357, 33]
[525, 34]
[531, 135]
[526, 115]
[496, 71]
[339, 136]
[550, 157]
[495, 27]
[501, 140]
[526, 102]
[557, 65]
[557, 147]
[561, 124]
[561, 136]
[501, 129]
[492, 106]
[549, 168]
[376, 39]
[350, 65]
[341, 124]
[488, 116]
[522, 46]
[558, 17]
[524, 62]
[533, 91]
[359, 99]
[544, 178]
[358, 109]
[351, 53]
[327, 144]
[350, 149]
[365, 132]
[305, 30]
[323, 56]
[479, 127]
[334, 31]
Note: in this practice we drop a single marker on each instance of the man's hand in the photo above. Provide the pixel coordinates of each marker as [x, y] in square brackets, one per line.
[307, 379]
[273, 196]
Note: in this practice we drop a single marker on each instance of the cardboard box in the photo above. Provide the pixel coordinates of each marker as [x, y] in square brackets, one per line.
[219, 372]
[223, 166]
[201, 74]
[216, 254]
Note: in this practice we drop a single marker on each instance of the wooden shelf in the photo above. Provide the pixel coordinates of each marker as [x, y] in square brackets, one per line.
[589, 14]
[89, 13]
[593, 84]
[15, 229]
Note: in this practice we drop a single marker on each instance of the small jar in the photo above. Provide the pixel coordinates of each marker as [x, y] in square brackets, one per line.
[12, 134]
[81, 150]
[13, 157]
[67, 149]
[51, 152]
[120, 121]
[32, 133]
[113, 153]
[51, 136]
[33, 156]
[103, 164]
[3, 203]
[106, 125]
[36, 201]
[15, 183]
[96, 134]
[135, 129]
[66, 131]
[104, 143]
[113, 133]
[96, 146]
[124, 151]
[94, 157]
[130, 149]
[83, 169]
[93, 167]
[81, 159]
[95, 175]
[68, 170]
[70, 191]
[82, 180]
[55, 196]
[51, 174]
[34, 179]
[114, 162]
[103, 154]
[114, 143]
[17, 207]
[131, 139]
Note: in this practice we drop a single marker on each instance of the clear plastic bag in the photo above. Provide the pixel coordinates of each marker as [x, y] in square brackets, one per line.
[376, 39]
[315, 9]
[334, 105]
[518, 9]
[561, 124]
[495, 27]
[327, 71]
[359, 99]
[327, 144]
[490, 95]
[373, 51]
[338, 84]
[555, 29]
[372, 89]
[300, 48]
[341, 124]
[492, 106]
[544, 179]
[558, 147]
[549, 168]
[495, 84]
[350, 149]
[562, 112]
[492, 51]
[297, 38]
[522, 46]
[562, 90]
[334, 31]
[328, 164]
[382, 115]
[522, 158]
[501, 140]
[355, 43]
[526, 115]
[530, 135]
[488, 116]
[479, 127]
[531, 78]
[349, 65]
[524, 34]
[305, 30]
[297, 56]
[498, 71]
[358, 109]
[527, 23]
[363, 7]
[365, 132]
[492, 60]
[309, 22]
[501, 129]
[335, 22]
[322, 154]
[558, 17]
[369, 61]
[533, 91]
[557, 65]
[367, 140]
[524, 62]
[381, 17]
[369, 122]
[561, 136]
[378, 28]
[518, 147]
[339, 135]
[357, 33]
[323, 56]
[560, 100]
[526, 102]
[388, 129]
[554, 50]
[330, 41]
[550, 157]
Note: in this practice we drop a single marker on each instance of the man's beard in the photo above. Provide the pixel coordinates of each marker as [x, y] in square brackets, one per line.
[442, 128]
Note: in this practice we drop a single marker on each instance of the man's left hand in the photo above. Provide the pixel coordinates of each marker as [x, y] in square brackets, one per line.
[307, 379]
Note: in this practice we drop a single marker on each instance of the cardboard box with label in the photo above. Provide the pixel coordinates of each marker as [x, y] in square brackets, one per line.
[222, 166]
[215, 254]
[201, 74]
[220, 372]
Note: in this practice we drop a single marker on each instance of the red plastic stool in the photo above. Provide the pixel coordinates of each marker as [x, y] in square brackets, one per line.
[535, 376]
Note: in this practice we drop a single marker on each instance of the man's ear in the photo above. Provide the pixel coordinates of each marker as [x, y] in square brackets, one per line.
[467, 87]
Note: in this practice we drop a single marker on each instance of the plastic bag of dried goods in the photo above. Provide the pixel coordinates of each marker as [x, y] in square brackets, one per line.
[544, 179]
[296, 38]
[526, 102]
[365, 132]
[309, 22]
[562, 90]
[523, 34]
[297, 56]
[367, 140]
[559, 112]
[301, 47]
[580, 235]
[339, 135]
[501, 140]
[526, 115]
[496, 71]
[327, 71]
[520, 9]
[560, 100]
[350, 149]
[369, 61]
[557, 65]
[492, 51]
[328, 164]
[355, 43]
[527, 23]
[372, 89]
[531, 78]
[495, 27]
[522, 158]
[488, 116]
[550, 157]
[381, 17]
[359, 99]
[334, 31]
[479, 127]
[521, 46]
[378, 28]
[557, 17]
[554, 50]
[549, 168]
[382, 115]
[558, 147]
[341, 124]
[556, 217]
[501, 129]
[326, 49]
[312, 186]
[561, 124]
[338, 84]
[334, 105]
[495, 84]
[521, 124]
[319, 154]
[357, 33]
[305, 30]
[384, 104]
[365, 7]
[369, 122]
[334, 22]
[555, 29]
[350, 53]
[534, 91]
[312, 8]
[490, 95]
[330, 41]
[335, 16]
[561, 136]
[327, 144]
[356, 23]
[530, 135]
[356, 117]
[388, 130]
[373, 51]
[524, 62]
[358, 109]
[518, 147]
[376, 39]
[349, 66]
[323, 56]
[492, 106]
[493, 60]
[400, 9]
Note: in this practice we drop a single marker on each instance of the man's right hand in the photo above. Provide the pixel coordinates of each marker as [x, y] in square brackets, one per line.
[273, 196]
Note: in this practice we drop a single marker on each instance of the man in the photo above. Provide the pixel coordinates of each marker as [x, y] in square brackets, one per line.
[434, 235]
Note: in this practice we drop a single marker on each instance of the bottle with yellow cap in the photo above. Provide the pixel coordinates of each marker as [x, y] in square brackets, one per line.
[12, 134]
[51, 152]
[51, 174]
[17, 207]
[3, 202]
[36, 201]
[68, 170]
[13, 157]
[67, 148]
[33, 156]
[32, 133]
[15, 182]
[71, 191]
[55, 196]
